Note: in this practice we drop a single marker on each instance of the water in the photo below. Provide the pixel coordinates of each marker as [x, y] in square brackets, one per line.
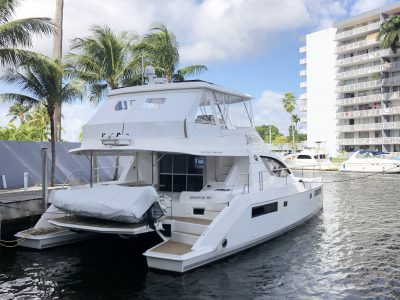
[351, 250]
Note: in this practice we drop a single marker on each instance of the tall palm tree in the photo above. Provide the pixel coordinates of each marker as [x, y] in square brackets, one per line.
[289, 104]
[38, 80]
[160, 48]
[389, 33]
[105, 60]
[18, 33]
[19, 111]
[57, 54]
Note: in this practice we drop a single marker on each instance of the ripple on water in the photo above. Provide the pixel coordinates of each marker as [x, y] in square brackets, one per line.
[349, 251]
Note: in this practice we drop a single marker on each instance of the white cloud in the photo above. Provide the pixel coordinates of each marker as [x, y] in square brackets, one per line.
[361, 6]
[268, 110]
[207, 30]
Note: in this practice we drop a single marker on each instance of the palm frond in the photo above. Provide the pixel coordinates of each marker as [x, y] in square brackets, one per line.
[7, 9]
[19, 98]
[19, 32]
[194, 70]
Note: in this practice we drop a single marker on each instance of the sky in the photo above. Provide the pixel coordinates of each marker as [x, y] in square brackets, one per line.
[248, 45]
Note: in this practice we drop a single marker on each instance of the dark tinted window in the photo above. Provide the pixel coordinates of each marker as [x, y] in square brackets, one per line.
[264, 209]
[179, 163]
[302, 156]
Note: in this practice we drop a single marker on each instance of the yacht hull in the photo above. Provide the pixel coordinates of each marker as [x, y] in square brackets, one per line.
[243, 234]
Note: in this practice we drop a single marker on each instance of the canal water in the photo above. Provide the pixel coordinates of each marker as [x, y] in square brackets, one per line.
[351, 250]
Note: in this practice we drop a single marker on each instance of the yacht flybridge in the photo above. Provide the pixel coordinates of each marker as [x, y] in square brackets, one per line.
[198, 174]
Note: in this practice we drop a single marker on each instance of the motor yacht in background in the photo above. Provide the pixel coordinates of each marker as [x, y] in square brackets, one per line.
[309, 160]
[198, 174]
[371, 161]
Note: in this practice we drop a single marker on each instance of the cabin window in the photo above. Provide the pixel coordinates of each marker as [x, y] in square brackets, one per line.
[264, 209]
[275, 167]
[154, 103]
[181, 172]
[317, 192]
[302, 156]
[205, 113]
[121, 105]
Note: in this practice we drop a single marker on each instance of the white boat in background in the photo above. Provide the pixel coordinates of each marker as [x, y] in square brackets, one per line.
[371, 161]
[213, 187]
[309, 160]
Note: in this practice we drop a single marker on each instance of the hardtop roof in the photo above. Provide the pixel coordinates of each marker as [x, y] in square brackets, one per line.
[185, 85]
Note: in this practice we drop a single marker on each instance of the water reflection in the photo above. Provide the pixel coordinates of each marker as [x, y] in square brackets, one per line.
[350, 250]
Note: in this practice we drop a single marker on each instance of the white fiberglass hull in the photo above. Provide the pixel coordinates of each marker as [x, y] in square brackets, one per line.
[371, 166]
[243, 232]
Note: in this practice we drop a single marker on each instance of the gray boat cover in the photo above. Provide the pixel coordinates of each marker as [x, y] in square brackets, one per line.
[111, 202]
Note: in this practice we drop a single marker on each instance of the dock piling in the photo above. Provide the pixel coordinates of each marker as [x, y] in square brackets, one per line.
[44, 179]
[3, 179]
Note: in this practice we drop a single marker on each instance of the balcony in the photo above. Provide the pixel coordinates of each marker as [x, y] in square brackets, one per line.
[360, 127]
[356, 45]
[359, 72]
[370, 141]
[303, 49]
[303, 84]
[391, 81]
[358, 86]
[359, 114]
[391, 66]
[359, 100]
[303, 61]
[352, 33]
[388, 53]
[303, 73]
[391, 96]
[303, 96]
[363, 58]
[368, 113]
[303, 108]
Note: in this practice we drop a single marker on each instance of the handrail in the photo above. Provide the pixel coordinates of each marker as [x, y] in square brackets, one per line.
[244, 186]
[81, 177]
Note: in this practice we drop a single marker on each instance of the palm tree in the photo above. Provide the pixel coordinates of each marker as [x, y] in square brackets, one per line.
[39, 118]
[160, 49]
[289, 104]
[18, 33]
[19, 111]
[389, 33]
[57, 54]
[105, 60]
[38, 79]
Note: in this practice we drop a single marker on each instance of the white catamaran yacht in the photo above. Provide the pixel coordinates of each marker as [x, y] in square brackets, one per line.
[199, 175]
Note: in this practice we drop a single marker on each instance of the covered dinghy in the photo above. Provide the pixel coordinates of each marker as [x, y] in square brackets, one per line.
[111, 202]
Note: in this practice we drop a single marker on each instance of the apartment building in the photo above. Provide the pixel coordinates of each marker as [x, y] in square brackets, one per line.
[367, 85]
[317, 103]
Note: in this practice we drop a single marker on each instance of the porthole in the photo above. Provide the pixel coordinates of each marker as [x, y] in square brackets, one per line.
[224, 243]
[310, 196]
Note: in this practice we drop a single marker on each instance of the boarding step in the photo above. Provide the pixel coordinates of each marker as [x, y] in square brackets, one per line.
[189, 225]
[184, 237]
[172, 248]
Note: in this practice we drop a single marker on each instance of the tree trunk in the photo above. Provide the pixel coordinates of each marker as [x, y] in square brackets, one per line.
[293, 141]
[57, 54]
[53, 148]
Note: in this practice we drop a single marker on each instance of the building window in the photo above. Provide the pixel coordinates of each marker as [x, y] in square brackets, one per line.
[264, 209]
[181, 172]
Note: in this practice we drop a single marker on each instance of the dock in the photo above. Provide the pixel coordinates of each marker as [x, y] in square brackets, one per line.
[17, 204]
